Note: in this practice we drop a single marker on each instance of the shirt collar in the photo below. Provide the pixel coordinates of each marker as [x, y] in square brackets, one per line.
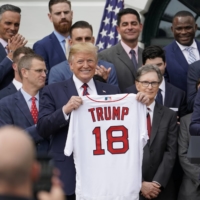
[162, 85]
[3, 42]
[28, 96]
[17, 84]
[127, 48]
[182, 47]
[151, 106]
[60, 37]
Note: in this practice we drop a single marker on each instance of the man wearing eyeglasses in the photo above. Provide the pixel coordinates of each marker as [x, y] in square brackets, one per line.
[160, 152]
[21, 108]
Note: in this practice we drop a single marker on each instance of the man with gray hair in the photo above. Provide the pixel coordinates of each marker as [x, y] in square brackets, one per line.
[10, 40]
[21, 108]
[20, 170]
[160, 151]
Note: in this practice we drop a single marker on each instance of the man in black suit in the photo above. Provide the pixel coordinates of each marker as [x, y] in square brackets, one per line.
[55, 112]
[126, 56]
[170, 96]
[9, 41]
[16, 84]
[160, 151]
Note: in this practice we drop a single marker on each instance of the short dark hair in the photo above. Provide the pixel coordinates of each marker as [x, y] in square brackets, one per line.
[52, 2]
[21, 50]
[80, 24]
[183, 13]
[126, 11]
[152, 52]
[26, 62]
[9, 7]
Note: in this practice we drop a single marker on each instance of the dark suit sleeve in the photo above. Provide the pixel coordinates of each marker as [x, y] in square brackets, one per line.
[50, 120]
[5, 68]
[112, 79]
[192, 77]
[195, 122]
[191, 170]
[165, 168]
[183, 106]
[55, 76]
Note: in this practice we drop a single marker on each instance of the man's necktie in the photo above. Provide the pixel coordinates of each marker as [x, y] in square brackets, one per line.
[85, 86]
[191, 56]
[159, 97]
[149, 123]
[67, 48]
[34, 111]
[133, 58]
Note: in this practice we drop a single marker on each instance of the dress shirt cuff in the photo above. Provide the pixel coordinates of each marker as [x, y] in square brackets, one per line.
[66, 116]
[156, 183]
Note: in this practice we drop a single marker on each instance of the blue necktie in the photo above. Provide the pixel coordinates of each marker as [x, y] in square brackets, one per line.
[159, 97]
[133, 58]
[191, 56]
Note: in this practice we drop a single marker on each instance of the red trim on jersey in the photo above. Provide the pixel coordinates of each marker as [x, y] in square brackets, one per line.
[106, 100]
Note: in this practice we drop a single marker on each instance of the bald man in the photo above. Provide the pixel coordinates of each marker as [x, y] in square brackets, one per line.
[19, 170]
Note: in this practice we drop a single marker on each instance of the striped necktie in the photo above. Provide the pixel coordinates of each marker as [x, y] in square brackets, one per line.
[85, 86]
[191, 56]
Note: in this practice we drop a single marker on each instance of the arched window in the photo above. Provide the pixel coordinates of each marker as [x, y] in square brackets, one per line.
[158, 20]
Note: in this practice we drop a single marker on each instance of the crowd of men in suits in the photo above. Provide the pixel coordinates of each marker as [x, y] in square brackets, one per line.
[39, 88]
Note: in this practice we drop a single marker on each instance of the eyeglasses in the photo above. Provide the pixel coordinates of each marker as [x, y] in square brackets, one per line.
[146, 83]
[40, 71]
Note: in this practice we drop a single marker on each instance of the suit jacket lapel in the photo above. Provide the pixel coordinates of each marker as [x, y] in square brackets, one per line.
[122, 55]
[23, 107]
[57, 47]
[157, 115]
[100, 88]
[2, 52]
[140, 57]
[70, 88]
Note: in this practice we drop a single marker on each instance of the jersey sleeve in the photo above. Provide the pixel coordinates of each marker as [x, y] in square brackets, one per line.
[69, 145]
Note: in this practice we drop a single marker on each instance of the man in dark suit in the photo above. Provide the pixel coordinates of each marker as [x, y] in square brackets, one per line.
[21, 108]
[21, 171]
[192, 78]
[16, 84]
[9, 41]
[190, 186]
[183, 51]
[160, 151]
[126, 56]
[171, 96]
[53, 47]
[82, 31]
[55, 112]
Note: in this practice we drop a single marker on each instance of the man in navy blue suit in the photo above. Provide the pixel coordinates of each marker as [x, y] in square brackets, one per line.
[21, 108]
[172, 97]
[183, 51]
[10, 40]
[59, 99]
[16, 83]
[82, 31]
[53, 47]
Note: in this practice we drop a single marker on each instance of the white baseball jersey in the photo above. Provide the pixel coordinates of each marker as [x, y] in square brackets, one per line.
[107, 135]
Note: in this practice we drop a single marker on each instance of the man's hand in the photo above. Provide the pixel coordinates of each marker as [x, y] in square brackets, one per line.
[103, 72]
[14, 43]
[143, 98]
[72, 104]
[56, 192]
[150, 190]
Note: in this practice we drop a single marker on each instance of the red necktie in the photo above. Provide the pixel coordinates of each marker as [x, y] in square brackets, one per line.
[85, 86]
[149, 123]
[34, 111]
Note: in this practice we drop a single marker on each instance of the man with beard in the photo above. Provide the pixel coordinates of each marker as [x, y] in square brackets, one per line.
[53, 47]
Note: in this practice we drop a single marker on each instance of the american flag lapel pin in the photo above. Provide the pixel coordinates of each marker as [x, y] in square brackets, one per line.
[103, 91]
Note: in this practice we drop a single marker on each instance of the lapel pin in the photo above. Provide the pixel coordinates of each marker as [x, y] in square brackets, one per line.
[103, 91]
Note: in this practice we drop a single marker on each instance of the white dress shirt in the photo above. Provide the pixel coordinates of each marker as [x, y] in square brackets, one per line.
[17, 84]
[194, 49]
[162, 87]
[28, 99]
